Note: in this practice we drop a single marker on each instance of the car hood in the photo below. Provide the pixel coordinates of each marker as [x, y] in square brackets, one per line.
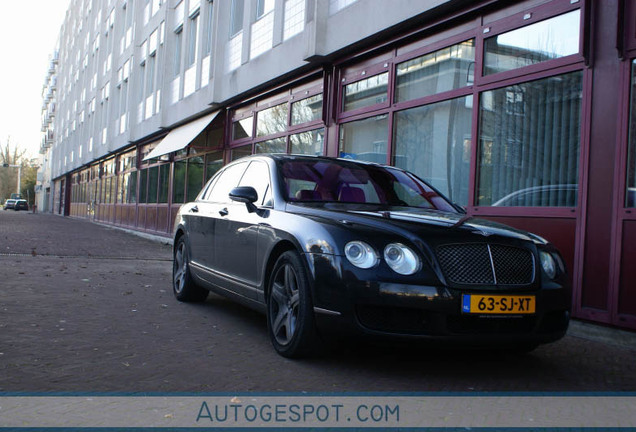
[422, 222]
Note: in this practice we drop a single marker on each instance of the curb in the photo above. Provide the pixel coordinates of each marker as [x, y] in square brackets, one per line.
[147, 236]
[607, 335]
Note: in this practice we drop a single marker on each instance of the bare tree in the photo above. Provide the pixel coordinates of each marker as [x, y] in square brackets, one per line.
[12, 154]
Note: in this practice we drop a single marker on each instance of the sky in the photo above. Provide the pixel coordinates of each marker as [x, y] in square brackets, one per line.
[28, 34]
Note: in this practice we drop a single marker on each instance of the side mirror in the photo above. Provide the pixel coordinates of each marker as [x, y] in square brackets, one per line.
[246, 195]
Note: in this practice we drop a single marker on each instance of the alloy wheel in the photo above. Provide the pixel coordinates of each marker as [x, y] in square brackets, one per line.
[180, 268]
[285, 307]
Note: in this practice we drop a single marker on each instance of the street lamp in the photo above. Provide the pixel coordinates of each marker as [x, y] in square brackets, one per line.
[19, 167]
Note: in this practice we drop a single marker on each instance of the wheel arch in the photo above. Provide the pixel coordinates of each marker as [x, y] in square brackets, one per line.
[180, 232]
[280, 248]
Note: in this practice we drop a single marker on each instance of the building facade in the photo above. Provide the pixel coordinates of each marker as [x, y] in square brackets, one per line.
[49, 106]
[520, 111]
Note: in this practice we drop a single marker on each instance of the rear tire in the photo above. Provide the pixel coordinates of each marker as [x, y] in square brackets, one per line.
[290, 313]
[183, 285]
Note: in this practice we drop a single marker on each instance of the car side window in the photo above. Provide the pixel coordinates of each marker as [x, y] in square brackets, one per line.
[257, 176]
[228, 180]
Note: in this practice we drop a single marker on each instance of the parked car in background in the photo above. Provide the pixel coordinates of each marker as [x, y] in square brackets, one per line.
[21, 204]
[555, 195]
[541, 196]
[9, 204]
[329, 246]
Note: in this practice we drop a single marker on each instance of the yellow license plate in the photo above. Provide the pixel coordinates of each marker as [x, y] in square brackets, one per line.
[498, 304]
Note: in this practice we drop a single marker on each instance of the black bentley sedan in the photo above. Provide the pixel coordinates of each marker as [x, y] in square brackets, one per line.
[329, 246]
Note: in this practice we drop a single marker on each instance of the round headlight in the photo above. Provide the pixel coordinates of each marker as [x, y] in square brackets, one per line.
[401, 259]
[548, 264]
[361, 254]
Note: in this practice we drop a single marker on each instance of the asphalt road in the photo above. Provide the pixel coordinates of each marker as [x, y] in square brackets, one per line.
[88, 308]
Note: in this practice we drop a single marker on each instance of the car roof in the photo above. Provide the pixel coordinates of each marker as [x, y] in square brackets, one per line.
[289, 157]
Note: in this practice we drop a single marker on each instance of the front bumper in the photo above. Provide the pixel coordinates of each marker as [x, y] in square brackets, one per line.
[347, 304]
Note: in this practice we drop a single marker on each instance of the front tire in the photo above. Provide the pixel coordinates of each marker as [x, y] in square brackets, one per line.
[183, 286]
[290, 315]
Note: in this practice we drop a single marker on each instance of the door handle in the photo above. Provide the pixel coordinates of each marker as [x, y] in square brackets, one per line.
[224, 212]
[194, 209]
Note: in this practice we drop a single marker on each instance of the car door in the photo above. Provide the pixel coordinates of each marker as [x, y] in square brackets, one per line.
[202, 217]
[237, 232]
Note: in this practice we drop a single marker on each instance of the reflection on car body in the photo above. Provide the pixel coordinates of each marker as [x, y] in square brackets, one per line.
[325, 246]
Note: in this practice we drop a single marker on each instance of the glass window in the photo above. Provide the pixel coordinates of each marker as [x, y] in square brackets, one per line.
[164, 183]
[536, 43]
[216, 136]
[227, 181]
[236, 24]
[192, 40]
[337, 5]
[257, 176]
[242, 128]
[307, 110]
[143, 186]
[132, 188]
[214, 163]
[178, 41]
[122, 191]
[195, 177]
[263, 7]
[447, 69]
[153, 178]
[365, 139]
[239, 152]
[272, 120]
[209, 29]
[433, 141]
[101, 198]
[294, 18]
[277, 145]
[142, 77]
[529, 143]
[367, 92]
[309, 143]
[178, 183]
[109, 194]
[150, 70]
[630, 198]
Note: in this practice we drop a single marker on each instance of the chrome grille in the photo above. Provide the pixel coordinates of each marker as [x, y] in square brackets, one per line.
[486, 264]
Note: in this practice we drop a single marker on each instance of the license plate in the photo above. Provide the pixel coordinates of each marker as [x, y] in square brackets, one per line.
[498, 304]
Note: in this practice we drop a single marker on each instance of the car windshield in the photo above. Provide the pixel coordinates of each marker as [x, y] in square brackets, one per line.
[320, 180]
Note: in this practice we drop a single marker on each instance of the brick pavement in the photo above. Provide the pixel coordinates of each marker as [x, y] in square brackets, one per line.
[84, 307]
